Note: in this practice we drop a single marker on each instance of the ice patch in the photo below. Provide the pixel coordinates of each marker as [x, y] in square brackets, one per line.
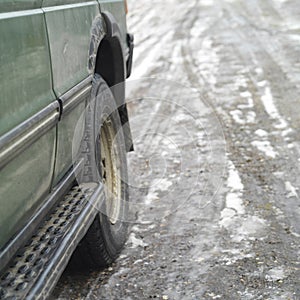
[162, 184]
[176, 55]
[251, 115]
[246, 106]
[246, 94]
[227, 218]
[199, 259]
[261, 133]
[135, 242]
[227, 213]
[278, 174]
[236, 115]
[259, 70]
[152, 196]
[286, 132]
[243, 118]
[165, 153]
[207, 2]
[199, 27]
[262, 83]
[275, 274]
[252, 226]
[291, 190]
[180, 117]
[265, 147]
[170, 144]
[241, 81]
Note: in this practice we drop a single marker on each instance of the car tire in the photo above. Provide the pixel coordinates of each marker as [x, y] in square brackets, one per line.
[108, 233]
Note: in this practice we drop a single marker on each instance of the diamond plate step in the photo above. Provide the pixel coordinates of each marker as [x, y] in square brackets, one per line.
[35, 269]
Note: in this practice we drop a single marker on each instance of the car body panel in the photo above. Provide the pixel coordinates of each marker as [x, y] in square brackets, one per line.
[69, 31]
[26, 89]
[19, 5]
[69, 25]
[24, 182]
[24, 62]
[68, 140]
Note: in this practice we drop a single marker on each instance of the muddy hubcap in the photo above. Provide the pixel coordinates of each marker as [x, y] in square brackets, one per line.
[110, 169]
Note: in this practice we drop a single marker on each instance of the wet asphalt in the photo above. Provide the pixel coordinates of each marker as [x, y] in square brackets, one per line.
[214, 180]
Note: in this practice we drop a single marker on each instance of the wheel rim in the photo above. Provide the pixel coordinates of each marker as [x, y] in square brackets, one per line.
[110, 171]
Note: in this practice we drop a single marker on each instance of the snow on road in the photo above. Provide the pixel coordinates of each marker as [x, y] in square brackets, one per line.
[211, 223]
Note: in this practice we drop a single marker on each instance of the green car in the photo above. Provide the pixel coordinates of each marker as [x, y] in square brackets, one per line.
[64, 134]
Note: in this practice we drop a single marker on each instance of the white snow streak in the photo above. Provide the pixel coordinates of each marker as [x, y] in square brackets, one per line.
[234, 202]
[270, 108]
[265, 147]
[233, 217]
[291, 190]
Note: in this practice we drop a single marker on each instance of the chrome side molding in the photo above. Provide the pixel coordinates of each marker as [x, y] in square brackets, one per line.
[22, 136]
[75, 96]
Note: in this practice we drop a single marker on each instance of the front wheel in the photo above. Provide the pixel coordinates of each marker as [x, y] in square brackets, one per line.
[107, 234]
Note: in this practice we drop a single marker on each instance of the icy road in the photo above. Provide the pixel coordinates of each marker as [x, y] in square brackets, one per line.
[214, 100]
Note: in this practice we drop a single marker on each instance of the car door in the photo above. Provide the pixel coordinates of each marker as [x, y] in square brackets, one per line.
[70, 30]
[28, 114]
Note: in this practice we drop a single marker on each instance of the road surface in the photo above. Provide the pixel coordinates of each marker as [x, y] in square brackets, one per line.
[214, 104]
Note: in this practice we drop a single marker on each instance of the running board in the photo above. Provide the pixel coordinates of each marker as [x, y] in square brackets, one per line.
[34, 271]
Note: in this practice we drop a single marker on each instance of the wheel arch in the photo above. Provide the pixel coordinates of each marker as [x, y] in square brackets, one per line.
[110, 63]
[110, 59]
